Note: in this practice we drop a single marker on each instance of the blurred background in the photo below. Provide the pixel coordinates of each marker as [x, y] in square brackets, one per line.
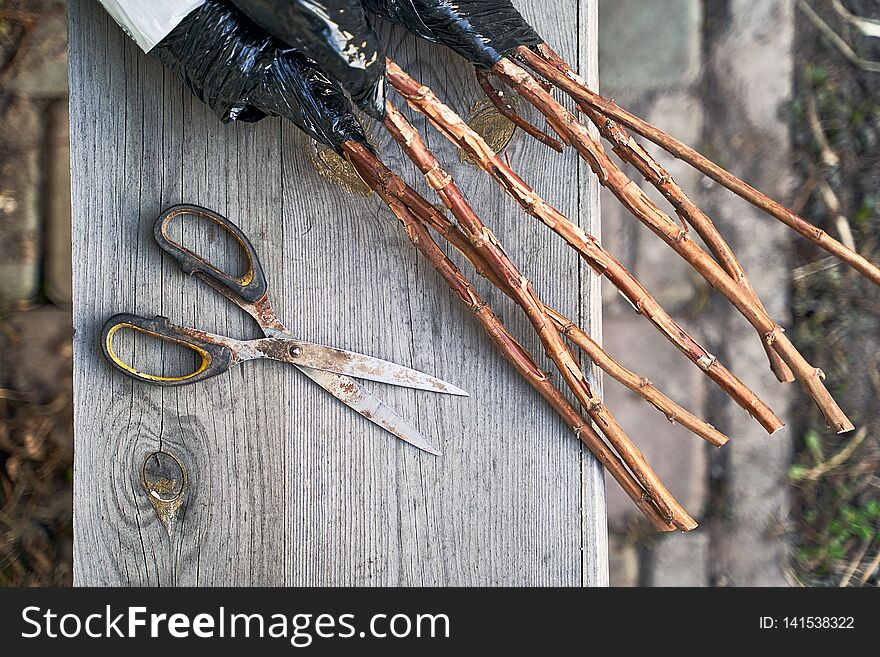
[784, 93]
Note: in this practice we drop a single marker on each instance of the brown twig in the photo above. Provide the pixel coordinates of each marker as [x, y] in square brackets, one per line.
[546, 63]
[637, 202]
[630, 151]
[385, 182]
[509, 112]
[522, 293]
[423, 100]
[638, 384]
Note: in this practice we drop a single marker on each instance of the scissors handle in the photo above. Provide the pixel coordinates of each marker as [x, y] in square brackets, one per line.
[251, 287]
[216, 358]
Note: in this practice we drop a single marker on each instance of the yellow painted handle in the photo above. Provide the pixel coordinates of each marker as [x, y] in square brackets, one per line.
[215, 358]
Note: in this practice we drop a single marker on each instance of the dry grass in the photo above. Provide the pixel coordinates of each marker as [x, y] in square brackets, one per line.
[837, 315]
[36, 453]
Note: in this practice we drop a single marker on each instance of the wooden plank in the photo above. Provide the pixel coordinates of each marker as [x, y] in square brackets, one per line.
[287, 486]
[595, 528]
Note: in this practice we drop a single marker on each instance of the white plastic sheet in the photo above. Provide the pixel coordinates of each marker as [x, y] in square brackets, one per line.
[147, 22]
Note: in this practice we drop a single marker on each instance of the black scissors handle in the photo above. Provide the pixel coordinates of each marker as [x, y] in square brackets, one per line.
[215, 358]
[250, 288]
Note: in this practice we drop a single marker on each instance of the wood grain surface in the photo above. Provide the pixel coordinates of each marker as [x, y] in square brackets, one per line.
[286, 486]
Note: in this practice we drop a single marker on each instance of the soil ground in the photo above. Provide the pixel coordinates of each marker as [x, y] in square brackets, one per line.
[836, 125]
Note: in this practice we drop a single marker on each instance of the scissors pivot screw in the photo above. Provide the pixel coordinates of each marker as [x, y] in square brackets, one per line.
[295, 352]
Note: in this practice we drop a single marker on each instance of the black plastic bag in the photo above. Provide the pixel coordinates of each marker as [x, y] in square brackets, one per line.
[244, 74]
[481, 31]
[334, 33]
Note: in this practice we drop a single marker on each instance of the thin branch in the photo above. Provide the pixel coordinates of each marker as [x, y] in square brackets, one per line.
[385, 182]
[635, 200]
[546, 64]
[638, 384]
[509, 112]
[522, 293]
[630, 151]
[828, 156]
[423, 100]
[870, 27]
[875, 563]
[855, 562]
[839, 458]
[838, 41]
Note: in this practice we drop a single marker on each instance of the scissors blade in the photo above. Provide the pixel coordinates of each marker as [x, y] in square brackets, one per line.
[355, 396]
[360, 366]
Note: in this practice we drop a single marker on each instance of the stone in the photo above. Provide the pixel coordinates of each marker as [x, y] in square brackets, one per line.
[681, 560]
[755, 43]
[19, 200]
[645, 46]
[668, 277]
[750, 135]
[56, 264]
[620, 235]
[623, 561]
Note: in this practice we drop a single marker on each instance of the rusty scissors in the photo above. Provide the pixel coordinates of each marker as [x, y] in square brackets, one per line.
[330, 368]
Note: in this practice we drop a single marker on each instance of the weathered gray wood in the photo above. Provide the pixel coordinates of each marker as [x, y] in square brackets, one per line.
[287, 486]
[595, 532]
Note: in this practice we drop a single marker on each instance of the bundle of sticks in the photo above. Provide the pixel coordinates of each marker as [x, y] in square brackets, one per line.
[504, 48]
[719, 266]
